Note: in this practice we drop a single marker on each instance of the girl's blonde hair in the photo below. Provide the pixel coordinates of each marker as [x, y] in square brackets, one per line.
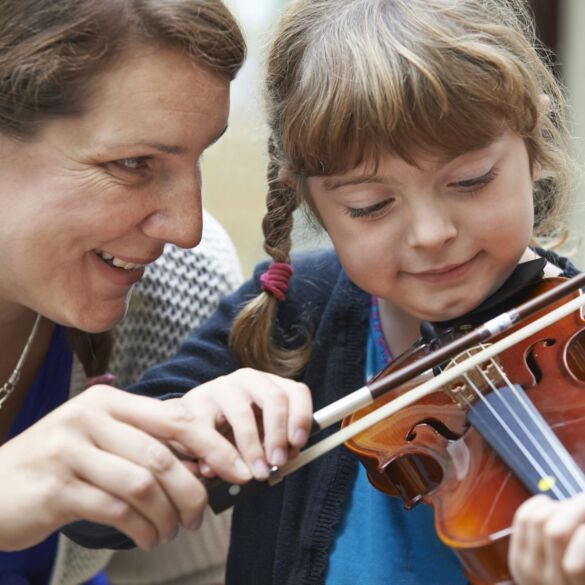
[348, 79]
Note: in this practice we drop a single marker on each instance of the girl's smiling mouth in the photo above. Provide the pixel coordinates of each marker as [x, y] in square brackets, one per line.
[445, 273]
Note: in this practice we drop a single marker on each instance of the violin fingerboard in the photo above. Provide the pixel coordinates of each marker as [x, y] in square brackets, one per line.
[515, 429]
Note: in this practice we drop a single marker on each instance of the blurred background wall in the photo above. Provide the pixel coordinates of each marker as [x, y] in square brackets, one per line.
[234, 169]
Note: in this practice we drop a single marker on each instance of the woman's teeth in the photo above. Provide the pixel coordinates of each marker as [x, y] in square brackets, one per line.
[113, 261]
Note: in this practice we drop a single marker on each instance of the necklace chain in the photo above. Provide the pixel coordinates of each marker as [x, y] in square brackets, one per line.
[10, 385]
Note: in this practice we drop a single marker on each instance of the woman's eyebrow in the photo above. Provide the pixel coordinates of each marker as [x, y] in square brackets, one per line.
[161, 146]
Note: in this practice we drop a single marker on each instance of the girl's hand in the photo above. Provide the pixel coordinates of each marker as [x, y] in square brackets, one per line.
[245, 423]
[548, 542]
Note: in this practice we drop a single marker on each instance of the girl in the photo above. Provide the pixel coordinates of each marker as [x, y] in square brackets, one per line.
[427, 137]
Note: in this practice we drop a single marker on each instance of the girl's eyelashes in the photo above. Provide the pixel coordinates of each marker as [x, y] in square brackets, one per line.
[476, 184]
[370, 212]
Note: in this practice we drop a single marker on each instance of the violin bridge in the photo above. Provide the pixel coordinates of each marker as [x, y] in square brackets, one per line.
[467, 389]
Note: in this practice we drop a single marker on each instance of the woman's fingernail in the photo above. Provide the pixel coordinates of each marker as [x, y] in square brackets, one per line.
[171, 536]
[278, 457]
[300, 437]
[195, 524]
[261, 470]
[204, 468]
[242, 470]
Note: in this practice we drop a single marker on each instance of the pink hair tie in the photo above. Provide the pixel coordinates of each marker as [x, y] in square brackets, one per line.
[102, 379]
[275, 279]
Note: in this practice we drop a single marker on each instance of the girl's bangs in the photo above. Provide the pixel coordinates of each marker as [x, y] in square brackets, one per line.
[353, 126]
[357, 96]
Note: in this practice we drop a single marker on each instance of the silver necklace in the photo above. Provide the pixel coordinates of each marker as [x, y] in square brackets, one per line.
[9, 386]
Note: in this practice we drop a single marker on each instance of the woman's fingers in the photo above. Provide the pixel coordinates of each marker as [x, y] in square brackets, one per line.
[161, 481]
[87, 502]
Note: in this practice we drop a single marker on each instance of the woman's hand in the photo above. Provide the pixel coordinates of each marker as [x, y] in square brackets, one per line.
[102, 456]
[548, 542]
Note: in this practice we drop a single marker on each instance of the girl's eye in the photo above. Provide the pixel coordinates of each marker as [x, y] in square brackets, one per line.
[476, 184]
[370, 212]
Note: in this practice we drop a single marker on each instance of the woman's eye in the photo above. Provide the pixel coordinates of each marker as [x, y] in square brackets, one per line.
[477, 183]
[137, 163]
[371, 211]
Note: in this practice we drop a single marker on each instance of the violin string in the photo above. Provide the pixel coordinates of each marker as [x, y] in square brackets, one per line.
[547, 434]
[535, 465]
[569, 464]
[515, 438]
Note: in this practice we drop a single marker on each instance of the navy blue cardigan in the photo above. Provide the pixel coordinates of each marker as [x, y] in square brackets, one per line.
[282, 535]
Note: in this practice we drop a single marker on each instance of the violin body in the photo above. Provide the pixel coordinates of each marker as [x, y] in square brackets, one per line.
[430, 452]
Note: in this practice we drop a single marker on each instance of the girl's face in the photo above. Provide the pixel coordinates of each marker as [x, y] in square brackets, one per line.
[92, 200]
[434, 239]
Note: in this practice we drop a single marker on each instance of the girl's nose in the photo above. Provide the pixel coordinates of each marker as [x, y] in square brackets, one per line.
[430, 227]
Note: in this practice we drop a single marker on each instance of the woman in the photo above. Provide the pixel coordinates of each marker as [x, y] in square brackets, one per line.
[105, 110]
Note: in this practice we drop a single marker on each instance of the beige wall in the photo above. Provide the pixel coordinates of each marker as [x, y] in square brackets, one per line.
[572, 53]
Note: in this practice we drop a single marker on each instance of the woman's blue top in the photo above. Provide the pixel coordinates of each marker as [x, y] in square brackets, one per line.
[50, 388]
[379, 542]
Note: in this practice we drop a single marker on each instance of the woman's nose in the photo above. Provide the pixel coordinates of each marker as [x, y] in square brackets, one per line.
[431, 226]
[179, 217]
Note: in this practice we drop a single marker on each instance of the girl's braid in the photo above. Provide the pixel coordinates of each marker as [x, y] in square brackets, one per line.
[252, 335]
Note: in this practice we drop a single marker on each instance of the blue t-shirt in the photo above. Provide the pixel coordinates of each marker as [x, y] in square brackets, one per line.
[378, 542]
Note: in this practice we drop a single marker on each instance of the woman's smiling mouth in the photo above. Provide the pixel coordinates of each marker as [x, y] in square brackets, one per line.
[118, 262]
[119, 271]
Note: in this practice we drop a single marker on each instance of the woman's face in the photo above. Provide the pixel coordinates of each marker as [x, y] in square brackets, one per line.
[433, 239]
[92, 200]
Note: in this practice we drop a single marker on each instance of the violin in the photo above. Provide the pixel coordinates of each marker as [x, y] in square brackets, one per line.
[495, 424]
[487, 440]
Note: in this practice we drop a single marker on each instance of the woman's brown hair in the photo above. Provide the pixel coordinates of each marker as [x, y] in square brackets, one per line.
[52, 51]
[348, 79]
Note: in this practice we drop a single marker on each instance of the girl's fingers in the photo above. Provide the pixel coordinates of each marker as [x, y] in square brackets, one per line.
[240, 415]
[527, 552]
[87, 502]
[565, 538]
[202, 440]
[182, 490]
[574, 558]
[300, 416]
[287, 419]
